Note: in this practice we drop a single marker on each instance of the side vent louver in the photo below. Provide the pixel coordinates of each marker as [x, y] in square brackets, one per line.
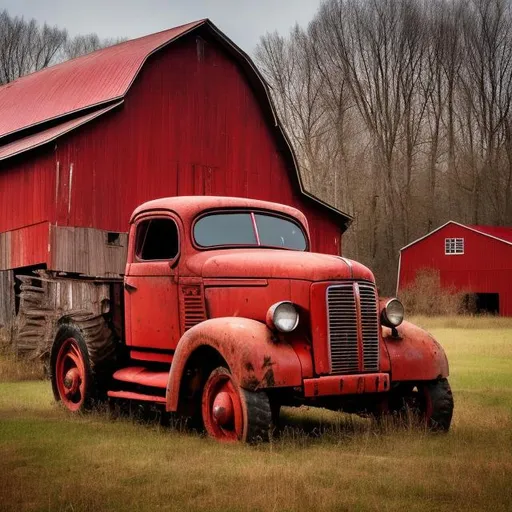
[193, 309]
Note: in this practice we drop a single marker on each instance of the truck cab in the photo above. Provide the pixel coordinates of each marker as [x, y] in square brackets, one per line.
[227, 315]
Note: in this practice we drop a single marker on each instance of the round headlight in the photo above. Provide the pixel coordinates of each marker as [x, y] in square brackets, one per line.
[392, 313]
[283, 316]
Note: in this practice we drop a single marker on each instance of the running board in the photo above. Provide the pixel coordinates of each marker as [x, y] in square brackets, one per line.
[142, 376]
[130, 395]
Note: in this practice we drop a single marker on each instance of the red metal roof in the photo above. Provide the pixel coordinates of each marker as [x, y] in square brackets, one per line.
[501, 232]
[40, 138]
[92, 79]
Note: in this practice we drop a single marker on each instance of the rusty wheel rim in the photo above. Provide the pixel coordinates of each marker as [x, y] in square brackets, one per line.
[222, 407]
[70, 375]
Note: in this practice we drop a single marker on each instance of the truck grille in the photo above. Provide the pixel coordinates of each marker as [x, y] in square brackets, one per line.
[344, 320]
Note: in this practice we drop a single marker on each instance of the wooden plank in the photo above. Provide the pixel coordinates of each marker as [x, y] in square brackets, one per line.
[44, 299]
[87, 251]
[5, 251]
[7, 305]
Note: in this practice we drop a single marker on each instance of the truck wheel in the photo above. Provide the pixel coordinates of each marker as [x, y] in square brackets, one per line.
[231, 413]
[430, 402]
[71, 372]
[438, 404]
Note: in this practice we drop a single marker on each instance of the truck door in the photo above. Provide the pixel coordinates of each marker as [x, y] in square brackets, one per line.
[151, 290]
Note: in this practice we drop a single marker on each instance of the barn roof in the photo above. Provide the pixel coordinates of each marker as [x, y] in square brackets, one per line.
[88, 81]
[44, 136]
[42, 106]
[501, 233]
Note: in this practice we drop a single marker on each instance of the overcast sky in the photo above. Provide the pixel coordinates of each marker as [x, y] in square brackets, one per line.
[244, 21]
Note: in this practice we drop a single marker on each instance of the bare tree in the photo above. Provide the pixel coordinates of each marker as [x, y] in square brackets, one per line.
[407, 104]
[292, 74]
[26, 46]
[84, 44]
[486, 95]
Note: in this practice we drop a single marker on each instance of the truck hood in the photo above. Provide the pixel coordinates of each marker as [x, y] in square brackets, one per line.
[275, 263]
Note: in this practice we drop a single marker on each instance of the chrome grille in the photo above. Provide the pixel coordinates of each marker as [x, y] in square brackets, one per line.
[343, 328]
[370, 326]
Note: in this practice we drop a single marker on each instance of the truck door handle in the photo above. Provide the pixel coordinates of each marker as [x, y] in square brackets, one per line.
[129, 287]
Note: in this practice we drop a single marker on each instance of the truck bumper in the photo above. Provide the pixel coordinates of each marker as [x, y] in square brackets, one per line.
[346, 384]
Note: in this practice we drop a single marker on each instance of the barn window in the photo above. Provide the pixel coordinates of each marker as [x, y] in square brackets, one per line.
[113, 238]
[157, 239]
[454, 245]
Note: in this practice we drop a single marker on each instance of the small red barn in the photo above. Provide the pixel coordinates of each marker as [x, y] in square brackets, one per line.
[473, 259]
[82, 143]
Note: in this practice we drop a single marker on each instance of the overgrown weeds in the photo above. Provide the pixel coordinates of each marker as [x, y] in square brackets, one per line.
[425, 296]
[14, 368]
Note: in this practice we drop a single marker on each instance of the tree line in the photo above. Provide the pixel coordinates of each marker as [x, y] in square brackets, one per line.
[26, 46]
[400, 114]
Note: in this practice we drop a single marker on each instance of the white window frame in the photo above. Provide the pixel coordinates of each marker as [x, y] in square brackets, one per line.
[453, 246]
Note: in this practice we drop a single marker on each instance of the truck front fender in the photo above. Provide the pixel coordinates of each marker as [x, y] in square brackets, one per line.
[256, 359]
[414, 354]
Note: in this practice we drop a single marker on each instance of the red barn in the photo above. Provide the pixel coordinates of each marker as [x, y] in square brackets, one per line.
[472, 259]
[180, 112]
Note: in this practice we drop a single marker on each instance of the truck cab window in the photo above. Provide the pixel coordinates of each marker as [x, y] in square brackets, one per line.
[279, 232]
[157, 239]
[249, 229]
[225, 229]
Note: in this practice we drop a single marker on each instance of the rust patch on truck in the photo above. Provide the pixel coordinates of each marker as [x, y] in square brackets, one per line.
[268, 377]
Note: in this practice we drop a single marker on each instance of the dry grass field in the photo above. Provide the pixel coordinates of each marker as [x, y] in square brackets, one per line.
[53, 461]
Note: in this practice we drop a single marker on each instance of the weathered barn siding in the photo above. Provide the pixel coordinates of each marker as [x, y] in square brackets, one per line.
[7, 303]
[88, 251]
[485, 266]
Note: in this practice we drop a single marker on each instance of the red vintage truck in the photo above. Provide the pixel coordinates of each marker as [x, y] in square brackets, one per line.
[226, 315]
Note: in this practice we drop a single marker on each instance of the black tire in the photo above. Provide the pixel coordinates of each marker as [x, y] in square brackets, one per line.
[259, 416]
[430, 403]
[441, 400]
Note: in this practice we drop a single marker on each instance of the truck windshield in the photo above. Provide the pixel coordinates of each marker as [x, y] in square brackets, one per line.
[248, 228]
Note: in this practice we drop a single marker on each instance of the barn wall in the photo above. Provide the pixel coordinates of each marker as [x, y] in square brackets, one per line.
[24, 246]
[190, 125]
[485, 266]
[27, 190]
